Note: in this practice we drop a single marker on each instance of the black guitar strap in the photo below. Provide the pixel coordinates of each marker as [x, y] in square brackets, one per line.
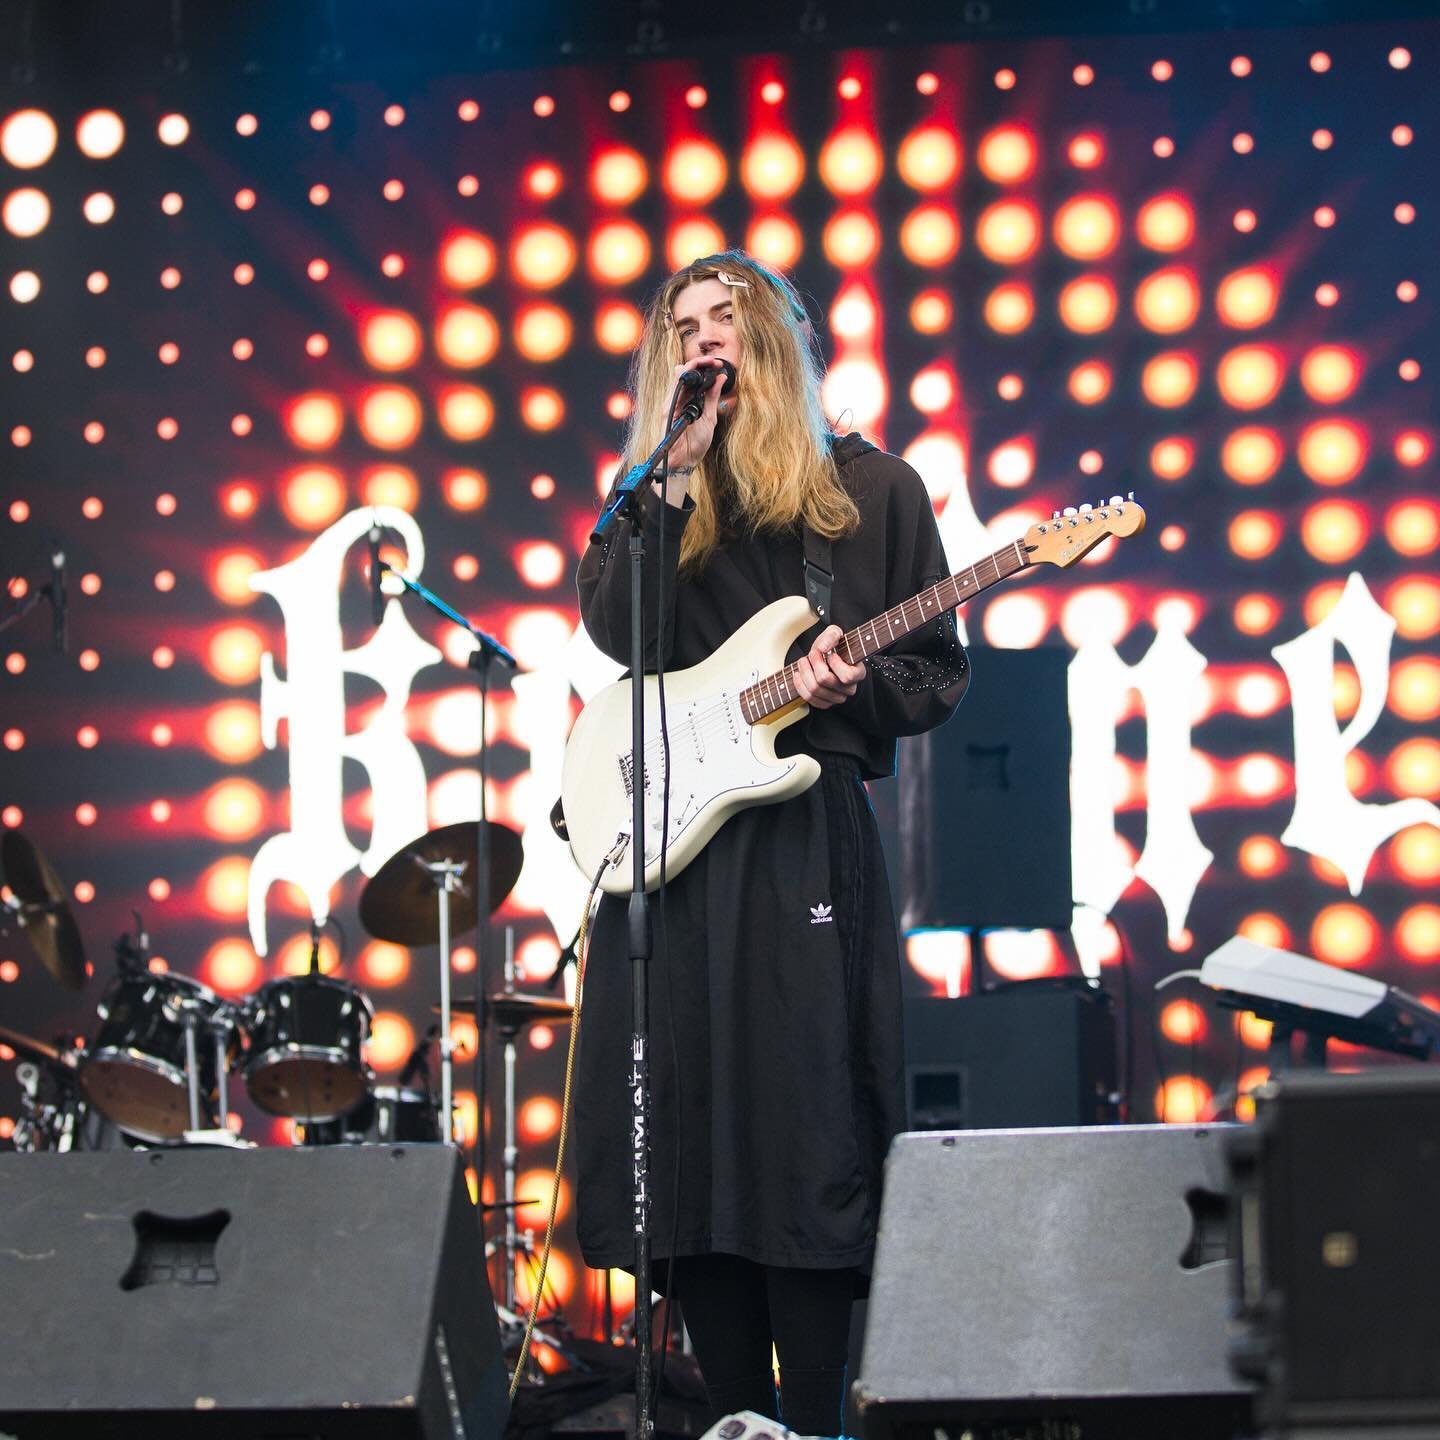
[819, 567]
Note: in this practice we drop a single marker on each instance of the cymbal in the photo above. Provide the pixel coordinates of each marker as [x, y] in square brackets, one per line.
[398, 902]
[516, 1009]
[38, 1048]
[508, 1204]
[45, 912]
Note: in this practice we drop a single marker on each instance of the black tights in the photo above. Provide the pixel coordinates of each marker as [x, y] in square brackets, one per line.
[735, 1310]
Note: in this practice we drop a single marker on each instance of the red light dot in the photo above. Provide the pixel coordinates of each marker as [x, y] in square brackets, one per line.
[1240, 65]
[850, 88]
[86, 814]
[242, 349]
[14, 739]
[1164, 146]
[89, 659]
[1004, 79]
[1409, 369]
[243, 273]
[465, 567]
[168, 428]
[1083, 75]
[1412, 447]
[169, 277]
[1010, 387]
[394, 115]
[1322, 139]
[90, 584]
[9, 973]
[159, 888]
[319, 119]
[1243, 143]
[696, 96]
[542, 487]
[165, 504]
[1091, 462]
[161, 734]
[244, 199]
[241, 424]
[169, 353]
[1404, 212]
[87, 737]
[1162, 70]
[468, 185]
[97, 282]
[23, 360]
[92, 508]
[619, 101]
[164, 581]
[468, 110]
[15, 663]
[19, 511]
[316, 345]
[317, 269]
[1399, 58]
[927, 82]
[1327, 294]
[246, 125]
[319, 194]
[172, 203]
[84, 891]
[94, 432]
[1325, 217]
[160, 811]
[11, 816]
[1172, 537]
[772, 92]
[20, 436]
[239, 501]
[544, 106]
[392, 265]
[393, 189]
[1244, 221]
[1402, 135]
[1406, 291]
[1319, 62]
[162, 657]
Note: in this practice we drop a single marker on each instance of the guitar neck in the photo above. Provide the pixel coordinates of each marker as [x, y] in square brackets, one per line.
[777, 691]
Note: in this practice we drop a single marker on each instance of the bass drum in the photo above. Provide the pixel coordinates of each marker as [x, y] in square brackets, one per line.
[135, 1071]
[388, 1115]
[307, 1035]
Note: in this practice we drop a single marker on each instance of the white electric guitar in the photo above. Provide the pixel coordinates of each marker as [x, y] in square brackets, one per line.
[725, 713]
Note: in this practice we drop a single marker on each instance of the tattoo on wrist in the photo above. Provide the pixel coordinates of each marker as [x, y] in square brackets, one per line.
[682, 469]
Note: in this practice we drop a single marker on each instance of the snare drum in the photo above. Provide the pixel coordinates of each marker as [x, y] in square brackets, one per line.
[135, 1072]
[306, 1037]
[388, 1115]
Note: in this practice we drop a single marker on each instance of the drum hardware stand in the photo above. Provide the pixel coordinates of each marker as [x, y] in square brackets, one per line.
[218, 1027]
[487, 650]
[508, 1031]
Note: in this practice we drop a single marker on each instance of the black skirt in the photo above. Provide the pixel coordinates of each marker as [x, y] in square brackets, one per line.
[775, 1044]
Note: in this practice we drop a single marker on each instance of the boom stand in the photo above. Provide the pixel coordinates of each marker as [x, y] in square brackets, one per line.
[625, 500]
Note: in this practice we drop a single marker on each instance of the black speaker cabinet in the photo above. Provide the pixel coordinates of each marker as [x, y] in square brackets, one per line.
[1037, 1053]
[985, 801]
[1338, 1186]
[1070, 1283]
[327, 1294]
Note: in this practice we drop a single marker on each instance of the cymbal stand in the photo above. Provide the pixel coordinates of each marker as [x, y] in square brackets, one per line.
[445, 874]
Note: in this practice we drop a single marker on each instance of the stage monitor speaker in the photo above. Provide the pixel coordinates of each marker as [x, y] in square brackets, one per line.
[1068, 1283]
[1337, 1185]
[985, 801]
[1037, 1053]
[326, 1294]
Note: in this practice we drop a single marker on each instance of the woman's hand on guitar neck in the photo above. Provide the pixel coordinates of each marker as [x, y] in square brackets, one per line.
[823, 677]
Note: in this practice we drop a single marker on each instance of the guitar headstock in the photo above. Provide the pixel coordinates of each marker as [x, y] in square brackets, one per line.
[1077, 530]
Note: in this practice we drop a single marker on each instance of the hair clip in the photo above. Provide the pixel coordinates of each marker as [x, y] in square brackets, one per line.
[726, 278]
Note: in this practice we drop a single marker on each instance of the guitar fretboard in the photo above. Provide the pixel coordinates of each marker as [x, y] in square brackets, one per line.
[777, 691]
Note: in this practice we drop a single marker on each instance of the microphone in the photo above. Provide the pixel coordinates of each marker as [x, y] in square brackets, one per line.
[57, 593]
[702, 380]
[377, 595]
[419, 1061]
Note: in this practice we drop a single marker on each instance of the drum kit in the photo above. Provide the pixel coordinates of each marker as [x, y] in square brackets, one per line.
[157, 1069]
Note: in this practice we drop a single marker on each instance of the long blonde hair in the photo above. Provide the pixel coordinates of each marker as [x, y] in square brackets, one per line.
[772, 455]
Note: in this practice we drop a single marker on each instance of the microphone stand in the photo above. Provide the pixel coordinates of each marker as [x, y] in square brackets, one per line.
[487, 650]
[625, 499]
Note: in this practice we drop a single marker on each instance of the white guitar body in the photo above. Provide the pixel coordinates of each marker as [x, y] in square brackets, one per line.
[719, 762]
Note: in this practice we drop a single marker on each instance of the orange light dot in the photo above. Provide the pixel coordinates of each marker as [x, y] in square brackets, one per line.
[927, 82]
[542, 256]
[618, 252]
[315, 420]
[542, 332]
[696, 96]
[390, 417]
[1086, 151]
[313, 497]
[1344, 934]
[543, 180]
[1251, 455]
[383, 964]
[1182, 1022]
[1416, 853]
[87, 660]
[394, 115]
[1415, 604]
[466, 336]
[168, 428]
[850, 88]
[232, 732]
[1087, 227]
[930, 312]
[243, 274]
[1334, 531]
[695, 171]
[94, 432]
[544, 106]
[466, 412]
[1332, 452]
[851, 239]
[542, 487]
[467, 259]
[1172, 458]
[86, 814]
[318, 269]
[1250, 376]
[465, 489]
[618, 326]
[14, 739]
[1089, 383]
[1005, 79]
[1008, 231]
[618, 176]
[1406, 291]
[1244, 221]
[1011, 465]
[1007, 155]
[542, 408]
[1412, 447]
[619, 101]
[696, 236]
[1163, 146]
[1243, 143]
[468, 185]
[1167, 301]
[233, 654]
[932, 390]
[1402, 135]
[1417, 933]
[92, 508]
[929, 158]
[234, 809]
[87, 737]
[465, 567]
[1329, 373]
[230, 576]
[1083, 74]
[1183, 1100]
[1169, 380]
[930, 236]
[1413, 527]
[391, 1041]
[1010, 387]
[390, 340]
[772, 167]
[231, 967]
[1322, 140]
[851, 162]
[1327, 294]
[319, 119]
[1254, 534]
[1009, 308]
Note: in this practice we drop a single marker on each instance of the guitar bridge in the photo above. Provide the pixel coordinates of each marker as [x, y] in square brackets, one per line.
[627, 773]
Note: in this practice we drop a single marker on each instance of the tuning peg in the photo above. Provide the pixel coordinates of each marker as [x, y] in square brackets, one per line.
[1070, 510]
[1116, 499]
[1054, 514]
[1086, 508]
[1130, 496]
